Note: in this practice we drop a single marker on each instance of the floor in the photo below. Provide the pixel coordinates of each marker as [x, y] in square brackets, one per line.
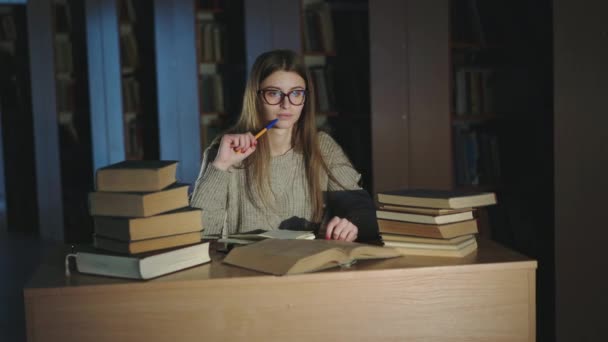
[19, 255]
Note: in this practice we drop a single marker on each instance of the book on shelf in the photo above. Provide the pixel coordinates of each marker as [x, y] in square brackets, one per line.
[473, 91]
[261, 234]
[147, 245]
[136, 176]
[318, 30]
[138, 204]
[428, 219]
[437, 198]
[439, 231]
[8, 29]
[281, 257]
[140, 266]
[127, 13]
[185, 220]
[129, 54]
[422, 211]
[460, 249]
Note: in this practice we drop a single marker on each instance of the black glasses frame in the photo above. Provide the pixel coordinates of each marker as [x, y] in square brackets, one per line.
[283, 95]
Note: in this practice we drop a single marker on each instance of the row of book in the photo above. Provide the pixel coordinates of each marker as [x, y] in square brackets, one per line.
[431, 222]
[129, 55]
[477, 156]
[212, 93]
[474, 91]
[211, 42]
[8, 29]
[131, 95]
[134, 135]
[323, 79]
[143, 225]
[318, 28]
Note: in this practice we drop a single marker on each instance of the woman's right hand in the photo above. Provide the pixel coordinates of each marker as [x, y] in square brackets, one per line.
[233, 149]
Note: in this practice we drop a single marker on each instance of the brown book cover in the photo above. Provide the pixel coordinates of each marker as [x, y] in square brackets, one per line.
[461, 249]
[428, 219]
[280, 257]
[437, 198]
[141, 246]
[138, 204]
[425, 240]
[438, 231]
[185, 220]
[422, 211]
[136, 176]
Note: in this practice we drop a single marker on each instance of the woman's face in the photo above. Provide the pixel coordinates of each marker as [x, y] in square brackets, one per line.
[283, 95]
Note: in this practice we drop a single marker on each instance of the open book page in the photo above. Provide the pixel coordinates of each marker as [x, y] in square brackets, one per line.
[259, 234]
[288, 234]
[298, 256]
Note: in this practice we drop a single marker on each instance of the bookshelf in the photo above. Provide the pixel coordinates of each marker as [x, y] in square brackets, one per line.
[137, 66]
[334, 42]
[8, 30]
[219, 32]
[18, 192]
[73, 116]
[476, 62]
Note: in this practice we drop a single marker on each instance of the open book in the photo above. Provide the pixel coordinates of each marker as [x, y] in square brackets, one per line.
[282, 257]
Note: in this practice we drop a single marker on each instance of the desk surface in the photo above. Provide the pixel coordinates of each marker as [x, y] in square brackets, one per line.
[490, 255]
[486, 296]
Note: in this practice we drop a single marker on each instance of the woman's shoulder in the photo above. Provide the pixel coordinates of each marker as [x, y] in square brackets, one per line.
[326, 142]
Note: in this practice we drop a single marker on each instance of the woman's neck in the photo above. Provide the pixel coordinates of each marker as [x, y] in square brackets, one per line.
[280, 141]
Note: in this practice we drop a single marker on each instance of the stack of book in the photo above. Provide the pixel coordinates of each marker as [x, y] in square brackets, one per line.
[431, 222]
[140, 212]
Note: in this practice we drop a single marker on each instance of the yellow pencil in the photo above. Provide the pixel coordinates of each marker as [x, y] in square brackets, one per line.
[262, 131]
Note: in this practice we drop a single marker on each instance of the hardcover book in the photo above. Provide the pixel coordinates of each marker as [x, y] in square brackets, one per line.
[425, 240]
[428, 219]
[136, 176]
[422, 211]
[140, 266]
[138, 204]
[179, 221]
[442, 231]
[147, 245]
[460, 249]
[437, 198]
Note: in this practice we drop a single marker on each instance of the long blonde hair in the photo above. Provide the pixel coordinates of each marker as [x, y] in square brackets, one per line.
[303, 138]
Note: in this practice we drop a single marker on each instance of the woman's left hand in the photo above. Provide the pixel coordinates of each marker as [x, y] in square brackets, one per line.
[341, 229]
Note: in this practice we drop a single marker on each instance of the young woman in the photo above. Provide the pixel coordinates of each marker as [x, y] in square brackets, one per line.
[290, 178]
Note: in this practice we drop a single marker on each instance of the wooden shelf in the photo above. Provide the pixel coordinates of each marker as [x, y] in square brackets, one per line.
[474, 46]
[473, 118]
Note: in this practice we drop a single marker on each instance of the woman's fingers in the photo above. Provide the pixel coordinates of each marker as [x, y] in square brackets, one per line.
[352, 234]
[329, 228]
[242, 144]
[341, 229]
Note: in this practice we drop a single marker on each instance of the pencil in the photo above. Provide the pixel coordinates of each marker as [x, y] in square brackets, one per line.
[263, 130]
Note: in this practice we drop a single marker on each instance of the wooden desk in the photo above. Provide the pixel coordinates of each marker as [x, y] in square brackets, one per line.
[488, 296]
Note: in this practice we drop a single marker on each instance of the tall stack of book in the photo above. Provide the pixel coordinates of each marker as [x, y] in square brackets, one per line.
[431, 222]
[141, 212]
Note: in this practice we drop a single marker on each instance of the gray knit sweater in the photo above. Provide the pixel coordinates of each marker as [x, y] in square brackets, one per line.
[227, 209]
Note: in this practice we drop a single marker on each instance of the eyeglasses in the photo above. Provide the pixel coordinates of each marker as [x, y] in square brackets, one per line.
[274, 96]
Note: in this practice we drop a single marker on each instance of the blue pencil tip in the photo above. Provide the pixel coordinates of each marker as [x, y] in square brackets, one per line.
[272, 123]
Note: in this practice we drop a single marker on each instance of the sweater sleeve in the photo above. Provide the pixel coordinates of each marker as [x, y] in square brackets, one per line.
[347, 199]
[339, 165]
[211, 193]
